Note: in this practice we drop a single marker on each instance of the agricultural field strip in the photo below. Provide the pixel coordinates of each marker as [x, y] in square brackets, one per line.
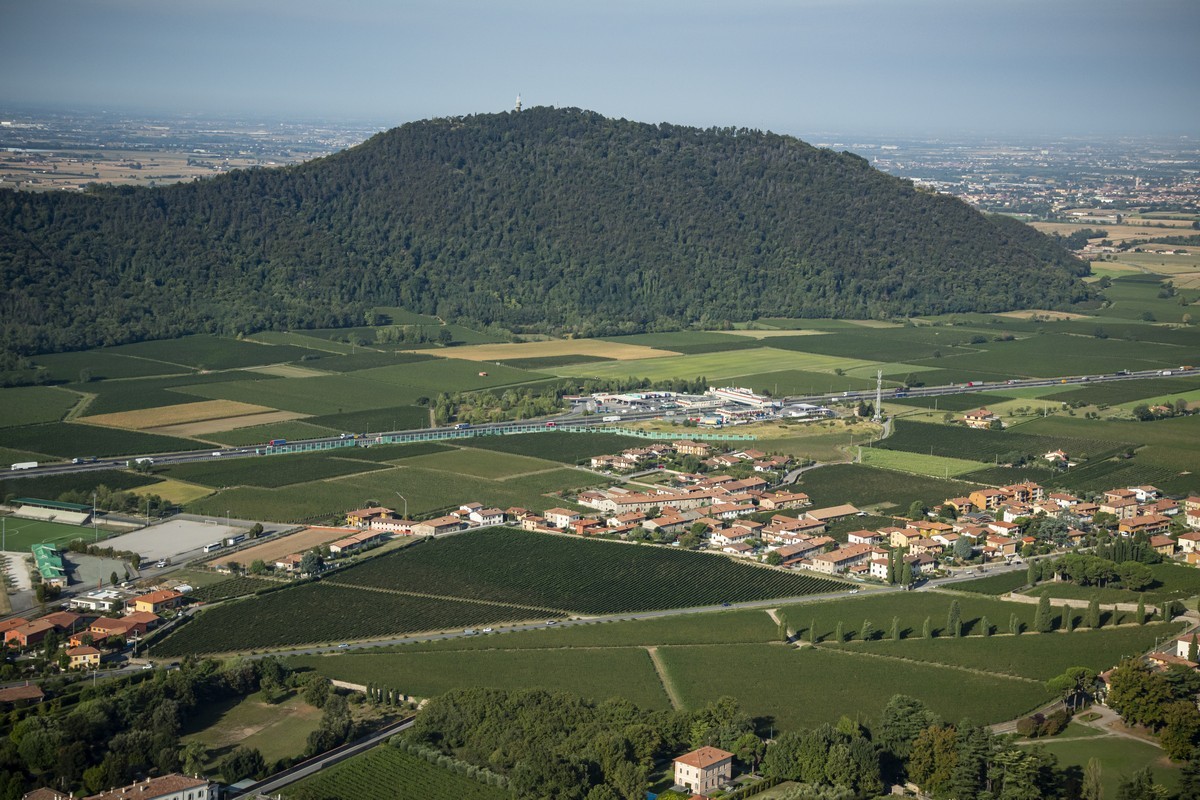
[430, 596]
[861, 651]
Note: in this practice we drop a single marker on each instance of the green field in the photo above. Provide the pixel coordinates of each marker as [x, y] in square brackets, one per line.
[327, 394]
[546, 363]
[101, 364]
[27, 405]
[1030, 655]
[951, 402]
[386, 773]
[326, 613]
[568, 448]
[1171, 582]
[917, 463]
[21, 534]
[69, 439]
[481, 463]
[689, 342]
[956, 441]
[1119, 757]
[367, 360]
[866, 486]
[791, 382]
[429, 378]
[396, 418]
[804, 688]
[1117, 392]
[270, 471]
[138, 393]
[575, 575]
[596, 674]
[721, 365]
[229, 587]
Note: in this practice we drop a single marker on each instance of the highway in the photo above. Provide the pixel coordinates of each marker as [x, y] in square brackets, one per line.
[573, 418]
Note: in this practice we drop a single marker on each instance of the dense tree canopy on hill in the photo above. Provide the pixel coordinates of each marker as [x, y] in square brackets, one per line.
[551, 219]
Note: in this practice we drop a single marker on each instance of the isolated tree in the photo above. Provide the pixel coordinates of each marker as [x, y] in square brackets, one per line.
[113, 578]
[916, 510]
[839, 633]
[985, 626]
[1093, 613]
[1093, 784]
[773, 558]
[895, 629]
[866, 632]
[962, 548]
[1014, 624]
[1068, 618]
[1032, 573]
[927, 628]
[1193, 651]
[812, 631]
[1141, 611]
[310, 562]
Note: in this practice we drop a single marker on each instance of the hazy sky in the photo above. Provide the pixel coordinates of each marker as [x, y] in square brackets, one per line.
[793, 66]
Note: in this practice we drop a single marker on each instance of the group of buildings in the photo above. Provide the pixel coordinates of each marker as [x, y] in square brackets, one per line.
[717, 407]
[96, 620]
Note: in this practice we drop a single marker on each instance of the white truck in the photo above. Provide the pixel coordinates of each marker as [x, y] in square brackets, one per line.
[25, 465]
[612, 419]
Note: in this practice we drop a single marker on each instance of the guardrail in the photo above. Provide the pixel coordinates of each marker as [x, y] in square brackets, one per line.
[471, 433]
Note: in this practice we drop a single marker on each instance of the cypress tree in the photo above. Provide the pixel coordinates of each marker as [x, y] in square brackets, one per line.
[1193, 652]
[1042, 621]
[1141, 610]
[986, 625]
[1014, 624]
[927, 628]
[895, 629]
[1031, 574]
[812, 631]
[1093, 613]
[954, 619]
[839, 633]
[1068, 618]
[867, 632]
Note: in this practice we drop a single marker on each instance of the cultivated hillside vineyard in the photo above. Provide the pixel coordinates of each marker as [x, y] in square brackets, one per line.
[552, 220]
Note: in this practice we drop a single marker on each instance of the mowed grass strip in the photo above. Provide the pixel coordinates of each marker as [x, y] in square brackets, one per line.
[314, 613]
[590, 577]
[386, 773]
[807, 687]
[175, 414]
[713, 627]
[595, 674]
[1039, 656]
[269, 471]
[26, 405]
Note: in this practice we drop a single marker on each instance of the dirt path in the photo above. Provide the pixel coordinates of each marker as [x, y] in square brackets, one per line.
[665, 680]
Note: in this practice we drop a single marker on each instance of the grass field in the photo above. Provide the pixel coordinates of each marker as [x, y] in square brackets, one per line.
[397, 418]
[918, 463]
[548, 363]
[956, 441]
[782, 383]
[1118, 757]
[269, 471]
[277, 730]
[445, 375]
[332, 394]
[993, 584]
[21, 534]
[867, 486]
[1030, 655]
[951, 402]
[720, 365]
[576, 575]
[481, 463]
[386, 773]
[804, 688]
[596, 674]
[1128, 391]
[113, 396]
[174, 491]
[101, 364]
[68, 440]
[261, 434]
[27, 405]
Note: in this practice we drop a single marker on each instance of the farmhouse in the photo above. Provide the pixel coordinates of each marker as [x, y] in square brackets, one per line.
[1163, 544]
[29, 693]
[561, 517]
[289, 563]
[85, 657]
[436, 527]
[703, 770]
[356, 542]
[980, 419]
[362, 517]
[833, 513]
[843, 558]
[154, 602]
[388, 525]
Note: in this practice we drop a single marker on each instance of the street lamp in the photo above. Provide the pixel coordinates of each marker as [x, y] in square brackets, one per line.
[402, 497]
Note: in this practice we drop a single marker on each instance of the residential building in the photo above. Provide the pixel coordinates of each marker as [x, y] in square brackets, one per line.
[85, 657]
[1149, 524]
[843, 558]
[979, 419]
[29, 634]
[704, 770]
[363, 516]
[1163, 544]
[289, 563]
[156, 602]
[561, 517]
[438, 526]
[166, 787]
[690, 448]
[1191, 512]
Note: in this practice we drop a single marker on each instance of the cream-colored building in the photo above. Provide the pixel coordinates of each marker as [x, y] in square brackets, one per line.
[704, 770]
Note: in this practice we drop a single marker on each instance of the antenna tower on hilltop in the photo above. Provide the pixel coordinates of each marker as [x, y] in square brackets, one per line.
[518, 108]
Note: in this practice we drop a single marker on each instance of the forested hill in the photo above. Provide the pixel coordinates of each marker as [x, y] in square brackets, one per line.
[557, 220]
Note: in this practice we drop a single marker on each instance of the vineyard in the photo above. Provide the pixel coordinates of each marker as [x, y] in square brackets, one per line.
[234, 587]
[987, 446]
[315, 613]
[387, 773]
[511, 566]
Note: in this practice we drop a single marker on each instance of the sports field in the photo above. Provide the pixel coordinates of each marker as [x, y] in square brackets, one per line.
[918, 463]
[172, 538]
[21, 534]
